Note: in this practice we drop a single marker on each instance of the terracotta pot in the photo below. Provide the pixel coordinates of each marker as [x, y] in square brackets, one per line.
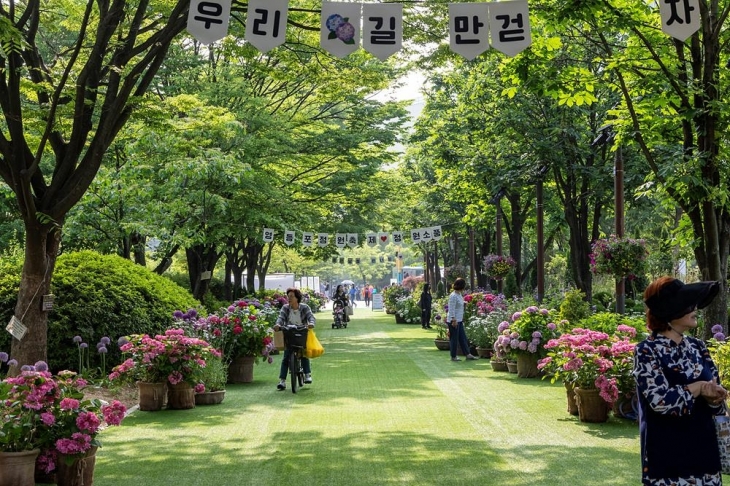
[570, 395]
[180, 396]
[210, 398]
[527, 365]
[591, 407]
[441, 344]
[512, 366]
[76, 471]
[18, 468]
[152, 396]
[498, 364]
[241, 369]
[484, 352]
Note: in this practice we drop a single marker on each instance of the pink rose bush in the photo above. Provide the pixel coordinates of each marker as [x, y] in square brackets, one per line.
[593, 359]
[49, 412]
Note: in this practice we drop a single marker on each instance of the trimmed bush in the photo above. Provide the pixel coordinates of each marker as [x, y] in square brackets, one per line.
[97, 296]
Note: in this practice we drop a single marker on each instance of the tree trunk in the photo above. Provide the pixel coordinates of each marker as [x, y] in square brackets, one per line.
[201, 258]
[41, 250]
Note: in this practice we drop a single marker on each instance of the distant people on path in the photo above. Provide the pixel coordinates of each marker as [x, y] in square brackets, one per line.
[678, 388]
[367, 294]
[340, 297]
[455, 318]
[353, 293]
[298, 314]
[425, 304]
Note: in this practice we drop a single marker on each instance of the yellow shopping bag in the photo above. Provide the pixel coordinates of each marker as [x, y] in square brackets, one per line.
[314, 348]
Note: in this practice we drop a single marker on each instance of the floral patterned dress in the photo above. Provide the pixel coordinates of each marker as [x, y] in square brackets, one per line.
[678, 441]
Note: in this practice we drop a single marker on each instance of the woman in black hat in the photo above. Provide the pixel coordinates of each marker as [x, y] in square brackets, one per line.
[678, 388]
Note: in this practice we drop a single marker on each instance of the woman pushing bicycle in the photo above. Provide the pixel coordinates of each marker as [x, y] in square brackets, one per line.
[294, 314]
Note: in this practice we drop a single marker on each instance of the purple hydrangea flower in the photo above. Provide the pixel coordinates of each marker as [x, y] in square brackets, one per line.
[345, 32]
[516, 316]
[122, 341]
[719, 336]
[531, 310]
[26, 368]
[177, 314]
[41, 366]
[334, 21]
[3, 356]
[523, 345]
[551, 326]
[716, 328]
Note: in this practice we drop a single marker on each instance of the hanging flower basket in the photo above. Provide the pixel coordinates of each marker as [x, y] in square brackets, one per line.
[498, 266]
[620, 257]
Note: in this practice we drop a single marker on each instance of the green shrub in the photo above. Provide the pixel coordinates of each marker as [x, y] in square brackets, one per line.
[602, 300]
[574, 306]
[391, 295]
[106, 295]
[608, 322]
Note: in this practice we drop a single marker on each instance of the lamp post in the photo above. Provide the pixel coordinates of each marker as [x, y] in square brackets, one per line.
[540, 235]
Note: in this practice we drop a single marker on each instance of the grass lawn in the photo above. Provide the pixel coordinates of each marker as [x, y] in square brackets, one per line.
[386, 407]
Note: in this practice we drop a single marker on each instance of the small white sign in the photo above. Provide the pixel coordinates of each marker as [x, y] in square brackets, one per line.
[382, 32]
[208, 19]
[266, 23]
[680, 19]
[377, 303]
[340, 28]
[509, 26]
[205, 275]
[16, 328]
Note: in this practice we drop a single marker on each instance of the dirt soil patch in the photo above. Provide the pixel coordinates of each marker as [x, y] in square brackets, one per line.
[127, 394]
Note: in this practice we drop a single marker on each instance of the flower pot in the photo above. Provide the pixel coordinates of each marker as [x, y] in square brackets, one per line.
[512, 366]
[527, 365]
[591, 407]
[18, 468]
[76, 471]
[484, 352]
[241, 369]
[441, 344]
[498, 365]
[152, 396]
[210, 398]
[570, 395]
[180, 396]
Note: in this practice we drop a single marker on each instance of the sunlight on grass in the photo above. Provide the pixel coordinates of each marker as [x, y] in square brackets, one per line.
[385, 407]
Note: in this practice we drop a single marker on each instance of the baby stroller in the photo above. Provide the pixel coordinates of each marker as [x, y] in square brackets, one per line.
[338, 313]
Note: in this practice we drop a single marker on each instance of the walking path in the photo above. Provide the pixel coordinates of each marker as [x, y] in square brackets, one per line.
[386, 407]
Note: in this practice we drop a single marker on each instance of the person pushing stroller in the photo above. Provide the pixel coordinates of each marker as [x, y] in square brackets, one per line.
[340, 300]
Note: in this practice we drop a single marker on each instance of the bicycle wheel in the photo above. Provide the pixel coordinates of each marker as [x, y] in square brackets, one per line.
[294, 370]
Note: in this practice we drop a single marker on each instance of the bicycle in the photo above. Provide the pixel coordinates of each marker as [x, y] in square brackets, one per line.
[295, 339]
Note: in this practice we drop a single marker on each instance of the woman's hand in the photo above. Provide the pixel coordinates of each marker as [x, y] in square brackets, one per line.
[310, 326]
[454, 323]
[713, 392]
[276, 327]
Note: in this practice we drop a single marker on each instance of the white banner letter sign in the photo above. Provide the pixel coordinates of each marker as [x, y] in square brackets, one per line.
[469, 28]
[383, 238]
[509, 25]
[372, 239]
[436, 233]
[208, 19]
[426, 235]
[382, 29]
[268, 235]
[397, 237]
[352, 240]
[339, 33]
[340, 240]
[323, 239]
[289, 237]
[307, 239]
[266, 23]
[416, 236]
[680, 18]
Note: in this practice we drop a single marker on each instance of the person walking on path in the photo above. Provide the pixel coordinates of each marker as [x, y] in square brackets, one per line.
[455, 318]
[366, 295]
[353, 293]
[425, 304]
[298, 314]
[678, 388]
[341, 299]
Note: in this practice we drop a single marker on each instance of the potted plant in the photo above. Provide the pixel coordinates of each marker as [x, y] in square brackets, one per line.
[407, 311]
[482, 314]
[498, 266]
[172, 359]
[442, 334]
[391, 295]
[529, 330]
[620, 257]
[598, 365]
[49, 414]
[211, 388]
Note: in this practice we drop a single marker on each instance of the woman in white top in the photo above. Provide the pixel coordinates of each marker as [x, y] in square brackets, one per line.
[297, 314]
[455, 318]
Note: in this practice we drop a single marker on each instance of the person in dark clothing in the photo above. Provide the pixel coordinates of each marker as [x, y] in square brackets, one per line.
[678, 388]
[341, 298]
[425, 304]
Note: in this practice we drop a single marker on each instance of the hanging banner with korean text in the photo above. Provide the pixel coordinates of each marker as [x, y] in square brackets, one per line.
[266, 23]
[469, 28]
[289, 237]
[208, 19]
[382, 29]
[307, 239]
[397, 237]
[340, 240]
[680, 18]
[436, 233]
[323, 239]
[509, 26]
[372, 239]
[268, 235]
[416, 236]
[426, 235]
[383, 238]
[352, 240]
[339, 32]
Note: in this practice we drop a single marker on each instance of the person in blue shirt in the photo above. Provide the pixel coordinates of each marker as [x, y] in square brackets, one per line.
[455, 318]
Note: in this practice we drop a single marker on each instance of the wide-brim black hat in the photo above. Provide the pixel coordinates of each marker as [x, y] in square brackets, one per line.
[677, 299]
